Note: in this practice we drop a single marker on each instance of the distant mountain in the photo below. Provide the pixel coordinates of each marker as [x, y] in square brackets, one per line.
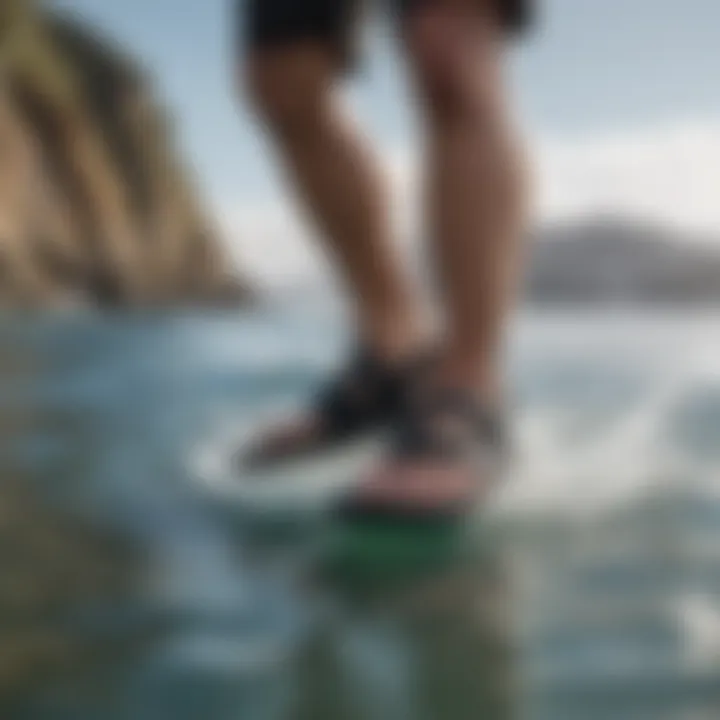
[618, 260]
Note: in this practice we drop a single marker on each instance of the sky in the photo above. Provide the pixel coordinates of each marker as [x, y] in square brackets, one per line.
[619, 99]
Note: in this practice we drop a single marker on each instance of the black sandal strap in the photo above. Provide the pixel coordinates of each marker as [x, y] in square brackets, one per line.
[449, 423]
[366, 392]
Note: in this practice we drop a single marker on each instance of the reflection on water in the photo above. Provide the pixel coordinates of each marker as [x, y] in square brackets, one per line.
[129, 591]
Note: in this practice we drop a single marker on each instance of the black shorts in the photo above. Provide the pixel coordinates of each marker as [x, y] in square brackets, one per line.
[277, 22]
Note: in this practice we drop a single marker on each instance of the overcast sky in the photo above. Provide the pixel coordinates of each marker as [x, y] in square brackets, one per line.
[620, 98]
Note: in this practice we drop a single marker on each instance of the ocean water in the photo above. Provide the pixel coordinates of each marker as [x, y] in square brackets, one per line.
[134, 583]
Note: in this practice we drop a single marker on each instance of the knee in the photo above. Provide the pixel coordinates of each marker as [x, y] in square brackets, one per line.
[286, 89]
[449, 65]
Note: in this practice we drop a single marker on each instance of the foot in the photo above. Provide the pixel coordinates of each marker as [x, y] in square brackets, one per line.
[367, 396]
[446, 456]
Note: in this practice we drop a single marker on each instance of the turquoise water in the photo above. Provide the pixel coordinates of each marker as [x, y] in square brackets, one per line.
[135, 585]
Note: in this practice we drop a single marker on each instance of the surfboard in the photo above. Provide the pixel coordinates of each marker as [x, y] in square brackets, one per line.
[357, 551]
[304, 493]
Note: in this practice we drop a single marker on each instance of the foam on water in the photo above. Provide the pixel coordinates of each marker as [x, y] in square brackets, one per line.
[633, 455]
[302, 487]
[575, 456]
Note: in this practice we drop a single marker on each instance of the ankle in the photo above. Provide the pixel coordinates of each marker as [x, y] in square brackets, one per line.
[470, 373]
[396, 339]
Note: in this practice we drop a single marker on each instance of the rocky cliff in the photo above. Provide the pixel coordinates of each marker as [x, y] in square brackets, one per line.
[96, 207]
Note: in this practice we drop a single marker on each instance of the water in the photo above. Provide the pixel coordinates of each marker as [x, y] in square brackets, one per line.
[133, 588]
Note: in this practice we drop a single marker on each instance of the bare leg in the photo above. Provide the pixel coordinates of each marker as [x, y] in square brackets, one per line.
[475, 201]
[339, 183]
[475, 181]
[343, 189]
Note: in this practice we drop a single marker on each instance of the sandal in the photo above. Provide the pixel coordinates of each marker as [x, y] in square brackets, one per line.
[447, 454]
[367, 396]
